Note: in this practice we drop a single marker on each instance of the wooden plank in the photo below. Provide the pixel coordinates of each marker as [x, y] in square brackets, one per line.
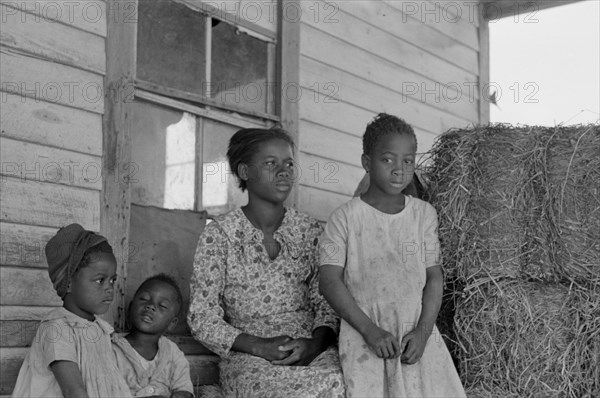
[116, 197]
[496, 9]
[89, 16]
[383, 16]
[350, 118]
[457, 98]
[27, 161]
[199, 99]
[325, 142]
[462, 12]
[24, 313]
[55, 42]
[10, 364]
[288, 75]
[40, 80]
[443, 17]
[17, 333]
[23, 245]
[27, 286]
[51, 205]
[329, 175]
[380, 43]
[338, 115]
[484, 70]
[319, 203]
[189, 345]
[50, 124]
[368, 95]
[425, 142]
[204, 369]
[230, 118]
[258, 16]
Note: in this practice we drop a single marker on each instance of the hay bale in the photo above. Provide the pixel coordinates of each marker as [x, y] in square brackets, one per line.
[573, 197]
[529, 339]
[519, 202]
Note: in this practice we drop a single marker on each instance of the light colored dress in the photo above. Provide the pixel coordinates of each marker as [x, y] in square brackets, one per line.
[237, 288]
[64, 336]
[384, 258]
[169, 371]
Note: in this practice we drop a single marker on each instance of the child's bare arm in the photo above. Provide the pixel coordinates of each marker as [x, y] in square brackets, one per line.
[432, 298]
[69, 379]
[332, 286]
[413, 344]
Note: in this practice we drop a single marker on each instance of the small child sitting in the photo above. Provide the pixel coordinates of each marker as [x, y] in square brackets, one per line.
[152, 364]
[70, 355]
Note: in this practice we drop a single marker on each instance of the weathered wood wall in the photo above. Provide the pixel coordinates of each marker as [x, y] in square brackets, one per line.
[418, 60]
[53, 65]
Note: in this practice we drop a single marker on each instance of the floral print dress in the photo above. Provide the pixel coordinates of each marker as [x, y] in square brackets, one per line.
[236, 288]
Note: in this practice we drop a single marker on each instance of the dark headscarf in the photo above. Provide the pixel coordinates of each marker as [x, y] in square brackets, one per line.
[64, 252]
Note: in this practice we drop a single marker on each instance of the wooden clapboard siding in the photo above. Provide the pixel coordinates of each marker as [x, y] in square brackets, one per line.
[24, 313]
[43, 80]
[27, 286]
[337, 54]
[89, 16]
[52, 93]
[354, 118]
[329, 143]
[376, 39]
[23, 245]
[329, 175]
[27, 161]
[318, 202]
[375, 98]
[50, 124]
[411, 30]
[51, 40]
[419, 60]
[461, 26]
[46, 204]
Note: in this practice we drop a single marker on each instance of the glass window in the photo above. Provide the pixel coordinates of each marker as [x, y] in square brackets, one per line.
[171, 47]
[239, 68]
[163, 152]
[220, 192]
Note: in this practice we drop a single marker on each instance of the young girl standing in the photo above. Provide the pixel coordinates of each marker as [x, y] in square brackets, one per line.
[71, 354]
[381, 272]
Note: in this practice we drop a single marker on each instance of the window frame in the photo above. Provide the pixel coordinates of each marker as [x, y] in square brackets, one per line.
[121, 88]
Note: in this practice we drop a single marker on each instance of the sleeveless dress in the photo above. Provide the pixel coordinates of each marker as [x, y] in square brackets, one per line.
[384, 258]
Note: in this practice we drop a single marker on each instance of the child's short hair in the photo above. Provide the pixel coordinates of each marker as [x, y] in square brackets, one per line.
[169, 280]
[245, 143]
[384, 124]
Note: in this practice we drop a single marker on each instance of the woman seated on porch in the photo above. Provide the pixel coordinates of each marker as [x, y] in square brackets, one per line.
[254, 289]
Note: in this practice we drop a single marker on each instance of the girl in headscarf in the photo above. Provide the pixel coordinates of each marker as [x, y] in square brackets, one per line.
[71, 354]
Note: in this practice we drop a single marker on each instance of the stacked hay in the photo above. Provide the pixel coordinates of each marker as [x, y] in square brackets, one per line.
[519, 213]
